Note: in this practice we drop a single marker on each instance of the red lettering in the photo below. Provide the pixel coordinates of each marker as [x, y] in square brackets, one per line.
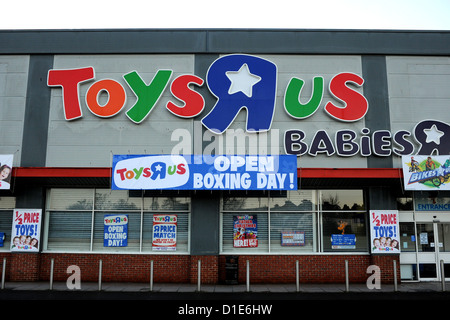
[356, 105]
[31, 217]
[193, 101]
[69, 80]
[122, 173]
[181, 169]
[147, 173]
[116, 98]
[388, 218]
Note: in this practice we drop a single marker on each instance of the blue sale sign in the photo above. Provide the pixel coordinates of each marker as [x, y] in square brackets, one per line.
[224, 172]
[343, 241]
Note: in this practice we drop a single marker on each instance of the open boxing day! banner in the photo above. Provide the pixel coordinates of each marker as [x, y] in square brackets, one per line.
[251, 172]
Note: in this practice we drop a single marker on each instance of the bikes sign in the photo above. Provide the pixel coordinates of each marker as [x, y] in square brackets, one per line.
[426, 172]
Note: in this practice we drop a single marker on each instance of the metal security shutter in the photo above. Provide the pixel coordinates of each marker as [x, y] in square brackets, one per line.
[69, 217]
[69, 230]
[7, 204]
[75, 219]
[292, 221]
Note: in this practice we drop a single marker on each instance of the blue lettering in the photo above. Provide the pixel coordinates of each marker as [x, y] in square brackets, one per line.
[242, 81]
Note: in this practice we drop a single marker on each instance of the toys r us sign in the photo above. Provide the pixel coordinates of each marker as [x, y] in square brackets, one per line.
[245, 81]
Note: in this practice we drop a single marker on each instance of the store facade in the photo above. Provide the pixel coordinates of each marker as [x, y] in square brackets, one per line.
[235, 148]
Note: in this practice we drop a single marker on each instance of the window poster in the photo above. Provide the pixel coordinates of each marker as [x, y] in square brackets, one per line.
[115, 230]
[164, 232]
[384, 231]
[292, 238]
[6, 161]
[245, 231]
[26, 230]
[341, 240]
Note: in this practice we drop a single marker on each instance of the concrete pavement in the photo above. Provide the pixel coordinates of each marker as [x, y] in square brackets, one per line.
[403, 287]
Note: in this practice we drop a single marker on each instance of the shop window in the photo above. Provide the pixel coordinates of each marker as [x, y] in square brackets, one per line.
[432, 201]
[76, 220]
[292, 232]
[342, 200]
[444, 237]
[344, 231]
[288, 222]
[344, 221]
[7, 204]
[407, 237]
[69, 230]
[245, 235]
[178, 206]
[404, 203]
[404, 200]
[299, 200]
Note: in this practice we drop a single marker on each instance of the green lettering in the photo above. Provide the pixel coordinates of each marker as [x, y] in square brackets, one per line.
[292, 103]
[138, 172]
[147, 95]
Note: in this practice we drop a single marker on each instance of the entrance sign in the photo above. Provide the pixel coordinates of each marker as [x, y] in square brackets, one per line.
[384, 231]
[164, 232]
[426, 172]
[251, 172]
[26, 230]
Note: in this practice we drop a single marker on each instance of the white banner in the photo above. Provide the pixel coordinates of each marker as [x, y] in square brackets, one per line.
[426, 172]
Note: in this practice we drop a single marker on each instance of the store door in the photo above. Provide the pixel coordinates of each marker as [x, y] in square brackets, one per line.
[433, 245]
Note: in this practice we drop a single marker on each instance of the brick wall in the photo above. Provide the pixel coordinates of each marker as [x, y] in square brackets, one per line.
[119, 267]
[312, 269]
[184, 268]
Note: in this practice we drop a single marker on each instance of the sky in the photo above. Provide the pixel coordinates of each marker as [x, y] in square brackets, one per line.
[257, 14]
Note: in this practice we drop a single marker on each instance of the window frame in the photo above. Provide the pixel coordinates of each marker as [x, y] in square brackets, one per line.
[144, 213]
[317, 213]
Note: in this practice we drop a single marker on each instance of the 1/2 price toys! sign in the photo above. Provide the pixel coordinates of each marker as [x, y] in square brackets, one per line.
[26, 230]
[384, 230]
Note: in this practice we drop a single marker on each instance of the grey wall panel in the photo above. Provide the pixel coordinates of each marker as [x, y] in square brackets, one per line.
[37, 112]
[102, 41]
[205, 223]
[418, 90]
[90, 140]
[225, 41]
[13, 92]
[93, 144]
[376, 92]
